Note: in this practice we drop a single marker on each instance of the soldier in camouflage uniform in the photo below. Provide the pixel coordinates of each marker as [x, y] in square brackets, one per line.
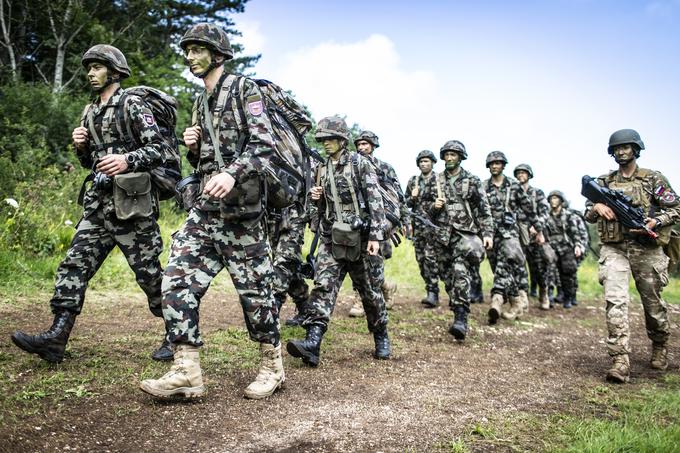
[506, 199]
[99, 230]
[566, 240]
[366, 143]
[584, 238]
[462, 214]
[538, 267]
[225, 228]
[351, 222]
[421, 191]
[625, 251]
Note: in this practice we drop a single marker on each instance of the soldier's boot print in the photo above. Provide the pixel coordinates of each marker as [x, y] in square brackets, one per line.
[620, 369]
[543, 299]
[164, 351]
[389, 289]
[308, 349]
[496, 308]
[51, 344]
[459, 326]
[184, 379]
[659, 360]
[382, 344]
[431, 300]
[271, 375]
[512, 309]
[357, 310]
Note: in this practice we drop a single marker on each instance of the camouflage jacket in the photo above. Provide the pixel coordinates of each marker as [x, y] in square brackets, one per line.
[510, 197]
[105, 138]
[584, 235]
[649, 190]
[539, 204]
[421, 193]
[365, 185]
[466, 208]
[562, 230]
[387, 178]
[246, 143]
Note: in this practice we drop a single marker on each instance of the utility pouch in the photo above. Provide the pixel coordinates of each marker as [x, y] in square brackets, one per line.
[244, 202]
[346, 242]
[187, 191]
[132, 196]
[672, 249]
[471, 247]
[548, 253]
[524, 236]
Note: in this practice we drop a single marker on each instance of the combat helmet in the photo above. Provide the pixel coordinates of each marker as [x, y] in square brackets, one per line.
[496, 156]
[453, 145]
[557, 193]
[624, 137]
[332, 127]
[211, 36]
[426, 154]
[523, 167]
[368, 136]
[108, 55]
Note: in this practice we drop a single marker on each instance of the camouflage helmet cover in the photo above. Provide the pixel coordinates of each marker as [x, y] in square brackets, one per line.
[368, 136]
[332, 127]
[426, 154]
[623, 137]
[557, 193]
[456, 146]
[210, 35]
[523, 167]
[110, 56]
[496, 156]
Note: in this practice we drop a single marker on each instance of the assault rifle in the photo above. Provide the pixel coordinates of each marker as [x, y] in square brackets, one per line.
[428, 223]
[631, 217]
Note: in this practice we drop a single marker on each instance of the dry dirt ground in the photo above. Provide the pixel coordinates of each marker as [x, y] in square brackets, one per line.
[432, 392]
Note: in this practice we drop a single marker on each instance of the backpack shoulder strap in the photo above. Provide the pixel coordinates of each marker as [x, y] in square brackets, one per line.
[439, 181]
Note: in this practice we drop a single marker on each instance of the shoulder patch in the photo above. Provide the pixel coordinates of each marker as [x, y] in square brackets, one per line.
[255, 105]
[669, 197]
[149, 119]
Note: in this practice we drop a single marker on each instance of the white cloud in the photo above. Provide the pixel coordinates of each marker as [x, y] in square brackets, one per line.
[252, 39]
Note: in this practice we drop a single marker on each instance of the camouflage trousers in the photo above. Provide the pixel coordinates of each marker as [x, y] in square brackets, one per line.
[426, 256]
[649, 267]
[508, 265]
[367, 279]
[202, 247]
[565, 269]
[96, 236]
[458, 260]
[476, 283]
[286, 237]
[538, 267]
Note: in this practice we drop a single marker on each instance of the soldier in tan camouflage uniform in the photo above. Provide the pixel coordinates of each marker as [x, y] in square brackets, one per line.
[225, 228]
[100, 230]
[507, 260]
[626, 251]
[421, 191]
[351, 223]
[461, 213]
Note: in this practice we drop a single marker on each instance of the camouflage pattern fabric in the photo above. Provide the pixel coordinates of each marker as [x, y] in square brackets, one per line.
[203, 246]
[563, 234]
[538, 268]
[421, 193]
[99, 230]
[464, 217]
[506, 258]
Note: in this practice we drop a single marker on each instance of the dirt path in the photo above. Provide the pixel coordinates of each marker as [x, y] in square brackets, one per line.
[431, 392]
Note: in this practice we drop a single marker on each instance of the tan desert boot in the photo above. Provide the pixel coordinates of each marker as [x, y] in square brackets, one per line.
[659, 359]
[184, 378]
[496, 308]
[357, 310]
[620, 370]
[513, 309]
[271, 375]
[543, 299]
[389, 289]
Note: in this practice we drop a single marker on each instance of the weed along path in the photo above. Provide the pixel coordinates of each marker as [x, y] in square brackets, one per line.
[506, 388]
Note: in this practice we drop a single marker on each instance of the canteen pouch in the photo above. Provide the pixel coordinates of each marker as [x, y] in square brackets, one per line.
[187, 191]
[346, 242]
[244, 202]
[132, 196]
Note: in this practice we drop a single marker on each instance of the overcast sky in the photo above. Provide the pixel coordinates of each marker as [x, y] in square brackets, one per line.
[546, 82]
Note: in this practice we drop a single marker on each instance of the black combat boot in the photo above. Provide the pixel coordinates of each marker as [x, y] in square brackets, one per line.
[308, 349]
[164, 352]
[50, 345]
[534, 288]
[431, 300]
[459, 326]
[382, 344]
[567, 302]
[296, 320]
[574, 302]
[560, 296]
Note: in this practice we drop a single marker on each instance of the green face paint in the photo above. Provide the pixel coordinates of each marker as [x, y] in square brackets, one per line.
[198, 59]
[97, 74]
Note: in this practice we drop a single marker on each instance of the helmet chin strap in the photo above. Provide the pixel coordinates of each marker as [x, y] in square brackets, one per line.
[109, 80]
[213, 64]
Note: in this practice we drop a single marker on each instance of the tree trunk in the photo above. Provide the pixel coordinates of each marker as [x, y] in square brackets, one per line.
[6, 40]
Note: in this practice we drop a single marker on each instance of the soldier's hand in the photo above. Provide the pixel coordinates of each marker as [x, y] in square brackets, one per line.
[488, 242]
[604, 211]
[651, 223]
[112, 164]
[80, 137]
[532, 231]
[439, 203]
[192, 138]
[373, 248]
[540, 239]
[578, 252]
[316, 192]
[219, 185]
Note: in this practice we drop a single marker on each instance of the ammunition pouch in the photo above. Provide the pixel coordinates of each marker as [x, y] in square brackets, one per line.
[512, 250]
[471, 247]
[346, 242]
[244, 202]
[132, 196]
[524, 236]
[187, 191]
